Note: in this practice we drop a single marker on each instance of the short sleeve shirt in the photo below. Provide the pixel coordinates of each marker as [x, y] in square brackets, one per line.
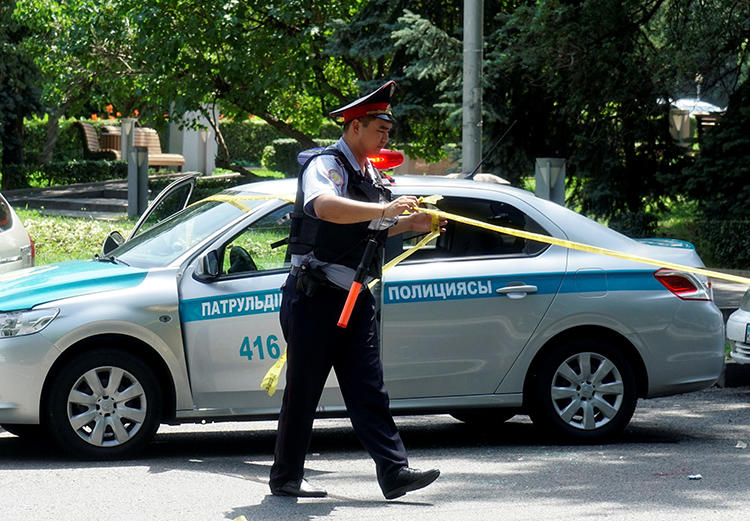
[324, 175]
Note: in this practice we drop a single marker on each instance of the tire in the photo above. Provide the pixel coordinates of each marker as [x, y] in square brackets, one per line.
[484, 417]
[27, 432]
[104, 404]
[584, 391]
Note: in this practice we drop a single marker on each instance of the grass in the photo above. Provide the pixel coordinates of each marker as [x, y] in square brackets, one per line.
[66, 238]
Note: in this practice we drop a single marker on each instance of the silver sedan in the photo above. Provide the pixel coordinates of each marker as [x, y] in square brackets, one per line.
[16, 245]
[180, 323]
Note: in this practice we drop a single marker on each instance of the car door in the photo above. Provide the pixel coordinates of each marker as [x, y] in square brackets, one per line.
[169, 201]
[457, 314]
[230, 324]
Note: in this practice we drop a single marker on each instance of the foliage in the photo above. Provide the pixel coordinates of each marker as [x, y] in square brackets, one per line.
[281, 155]
[583, 79]
[723, 243]
[19, 91]
[384, 39]
[246, 138]
[59, 173]
[718, 179]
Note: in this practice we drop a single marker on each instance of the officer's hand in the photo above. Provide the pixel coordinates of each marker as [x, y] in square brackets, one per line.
[399, 206]
[422, 222]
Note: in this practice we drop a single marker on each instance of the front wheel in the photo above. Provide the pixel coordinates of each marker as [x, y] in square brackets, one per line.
[104, 404]
[584, 391]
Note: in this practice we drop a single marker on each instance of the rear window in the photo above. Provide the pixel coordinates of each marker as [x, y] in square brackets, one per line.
[5, 216]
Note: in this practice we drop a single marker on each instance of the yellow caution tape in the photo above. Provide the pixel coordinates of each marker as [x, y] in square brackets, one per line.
[271, 379]
[236, 200]
[583, 247]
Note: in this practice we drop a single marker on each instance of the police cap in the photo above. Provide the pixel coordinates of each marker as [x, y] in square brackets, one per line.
[377, 103]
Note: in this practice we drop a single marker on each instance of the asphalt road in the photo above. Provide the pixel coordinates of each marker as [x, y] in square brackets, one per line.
[681, 458]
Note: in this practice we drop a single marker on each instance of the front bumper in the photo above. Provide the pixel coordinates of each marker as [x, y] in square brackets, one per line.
[24, 362]
[738, 334]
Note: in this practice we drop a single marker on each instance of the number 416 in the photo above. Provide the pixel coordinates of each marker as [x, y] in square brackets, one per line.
[271, 347]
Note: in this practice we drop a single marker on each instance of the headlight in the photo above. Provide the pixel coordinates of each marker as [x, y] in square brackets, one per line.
[19, 323]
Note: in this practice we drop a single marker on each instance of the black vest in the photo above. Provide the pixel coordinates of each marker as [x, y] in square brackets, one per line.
[338, 243]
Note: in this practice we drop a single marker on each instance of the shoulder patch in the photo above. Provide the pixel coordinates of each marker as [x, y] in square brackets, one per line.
[335, 176]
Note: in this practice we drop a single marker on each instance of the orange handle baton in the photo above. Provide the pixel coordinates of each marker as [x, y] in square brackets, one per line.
[351, 299]
[359, 278]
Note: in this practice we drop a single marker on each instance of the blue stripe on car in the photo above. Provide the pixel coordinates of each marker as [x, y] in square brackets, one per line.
[584, 281]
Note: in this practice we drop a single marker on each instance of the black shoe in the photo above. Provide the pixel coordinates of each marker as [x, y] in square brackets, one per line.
[407, 480]
[300, 488]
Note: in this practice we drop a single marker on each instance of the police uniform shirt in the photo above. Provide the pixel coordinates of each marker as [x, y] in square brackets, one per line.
[325, 176]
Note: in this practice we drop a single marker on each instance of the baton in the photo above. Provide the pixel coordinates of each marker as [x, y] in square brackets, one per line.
[359, 278]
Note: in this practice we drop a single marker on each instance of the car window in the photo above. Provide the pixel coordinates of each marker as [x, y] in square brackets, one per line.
[259, 247]
[5, 221]
[168, 206]
[463, 240]
[163, 243]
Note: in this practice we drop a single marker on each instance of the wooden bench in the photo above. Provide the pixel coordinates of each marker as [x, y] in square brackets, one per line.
[110, 145]
[91, 148]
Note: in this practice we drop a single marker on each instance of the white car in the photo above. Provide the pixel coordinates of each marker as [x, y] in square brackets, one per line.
[16, 246]
[738, 331]
[180, 323]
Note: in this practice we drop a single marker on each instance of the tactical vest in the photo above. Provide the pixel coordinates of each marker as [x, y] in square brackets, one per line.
[338, 243]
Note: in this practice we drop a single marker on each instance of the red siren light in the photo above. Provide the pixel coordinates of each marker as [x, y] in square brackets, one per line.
[387, 159]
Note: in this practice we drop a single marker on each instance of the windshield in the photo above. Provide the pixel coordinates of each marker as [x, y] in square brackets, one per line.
[168, 240]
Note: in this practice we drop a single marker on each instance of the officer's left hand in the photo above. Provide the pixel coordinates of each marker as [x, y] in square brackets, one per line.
[422, 222]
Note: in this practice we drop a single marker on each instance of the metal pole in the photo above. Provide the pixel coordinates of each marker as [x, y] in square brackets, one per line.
[472, 88]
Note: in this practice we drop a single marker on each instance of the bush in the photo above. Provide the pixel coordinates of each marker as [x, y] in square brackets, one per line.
[246, 139]
[723, 244]
[281, 155]
[66, 172]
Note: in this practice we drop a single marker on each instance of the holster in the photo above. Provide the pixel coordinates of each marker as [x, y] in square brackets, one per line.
[310, 280]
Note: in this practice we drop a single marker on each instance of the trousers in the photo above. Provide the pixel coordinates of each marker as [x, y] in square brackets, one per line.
[315, 344]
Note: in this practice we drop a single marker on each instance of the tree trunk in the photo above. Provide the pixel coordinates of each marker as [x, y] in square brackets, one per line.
[287, 130]
[11, 134]
[53, 132]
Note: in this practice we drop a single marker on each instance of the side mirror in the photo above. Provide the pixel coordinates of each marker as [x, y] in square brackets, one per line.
[208, 267]
[112, 241]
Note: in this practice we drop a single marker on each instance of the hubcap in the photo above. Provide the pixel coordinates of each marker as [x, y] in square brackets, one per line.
[106, 406]
[587, 391]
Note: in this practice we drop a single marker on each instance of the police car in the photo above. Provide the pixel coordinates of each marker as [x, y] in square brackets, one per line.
[179, 323]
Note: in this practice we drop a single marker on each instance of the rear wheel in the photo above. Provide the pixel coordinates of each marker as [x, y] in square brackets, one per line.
[104, 404]
[584, 391]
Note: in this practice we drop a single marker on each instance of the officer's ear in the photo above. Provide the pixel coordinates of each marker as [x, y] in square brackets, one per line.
[355, 125]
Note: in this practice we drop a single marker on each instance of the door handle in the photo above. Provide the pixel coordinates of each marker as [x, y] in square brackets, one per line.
[518, 291]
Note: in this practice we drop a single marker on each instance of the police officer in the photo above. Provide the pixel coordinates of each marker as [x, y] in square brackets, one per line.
[342, 203]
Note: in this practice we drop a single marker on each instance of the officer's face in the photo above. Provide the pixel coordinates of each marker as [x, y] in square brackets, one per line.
[375, 135]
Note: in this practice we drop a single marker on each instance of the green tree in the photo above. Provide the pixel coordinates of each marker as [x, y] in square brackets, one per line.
[583, 79]
[84, 49]
[19, 93]
[719, 178]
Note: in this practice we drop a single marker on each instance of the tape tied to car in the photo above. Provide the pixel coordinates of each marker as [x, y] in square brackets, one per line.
[584, 247]
[237, 200]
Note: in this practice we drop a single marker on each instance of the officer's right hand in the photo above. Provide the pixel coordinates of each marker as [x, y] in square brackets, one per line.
[399, 206]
